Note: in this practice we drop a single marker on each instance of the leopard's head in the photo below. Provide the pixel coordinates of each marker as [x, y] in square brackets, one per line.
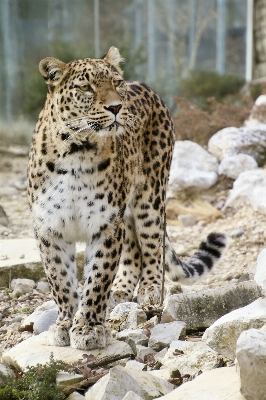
[86, 95]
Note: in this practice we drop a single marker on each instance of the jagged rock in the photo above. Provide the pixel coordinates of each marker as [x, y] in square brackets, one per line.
[217, 384]
[133, 337]
[251, 364]
[22, 285]
[42, 318]
[233, 165]
[249, 140]
[164, 334]
[132, 396]
[67, 379]
[36, 350]
[133, 364]
[190, 357]
[43, 287]
[249, 188]
[160, 355]
[122, 310]
[142, 351]
[202, 308]
[75, 396]
[192, 166]
[223, 334]
[120, 380]
[260, 275]
[134, 319]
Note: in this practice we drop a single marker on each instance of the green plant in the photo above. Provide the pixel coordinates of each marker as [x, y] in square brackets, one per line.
[200, 85]
[37, 383]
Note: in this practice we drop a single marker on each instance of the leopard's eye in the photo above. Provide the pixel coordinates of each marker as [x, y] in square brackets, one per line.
[117, 82]
[86, 88]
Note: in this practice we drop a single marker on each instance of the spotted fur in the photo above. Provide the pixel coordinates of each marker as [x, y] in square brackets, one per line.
[98, 171]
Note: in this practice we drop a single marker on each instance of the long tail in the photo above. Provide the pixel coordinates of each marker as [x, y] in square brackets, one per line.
[203, 260]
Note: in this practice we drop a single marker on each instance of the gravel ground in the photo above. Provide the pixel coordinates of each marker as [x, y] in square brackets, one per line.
[240, 259]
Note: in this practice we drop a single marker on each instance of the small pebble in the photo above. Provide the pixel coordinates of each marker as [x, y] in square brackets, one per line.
[237, 233]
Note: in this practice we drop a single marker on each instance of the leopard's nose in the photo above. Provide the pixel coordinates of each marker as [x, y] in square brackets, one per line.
[114, 108]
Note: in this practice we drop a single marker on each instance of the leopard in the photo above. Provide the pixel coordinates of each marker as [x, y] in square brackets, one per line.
[98, 171]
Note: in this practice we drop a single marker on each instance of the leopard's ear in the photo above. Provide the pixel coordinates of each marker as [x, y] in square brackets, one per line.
[53, 70]
[114, 58]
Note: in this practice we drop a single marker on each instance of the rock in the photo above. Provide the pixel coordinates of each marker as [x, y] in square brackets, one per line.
[22, 286]
[160, 355]
[132, 396]
[250, 140]
[142, 351]
[223, 334]
[192, 166]
[202, 308]
[190, 357]
[42, 318]
[257, 115]
[3, 217]
[164, 334]
[20, 257]
[233, 165]
[217, 384]
[120, 380]
[134, 319]
[36, 350]
[43, 322]
[237, 233]
[251, 363]
[260, 275]
[75, 396]
[133, 364]
[249, 188]
[122, 310]
[133, 337]
[67, 379]
[43, 287]
[187, 219]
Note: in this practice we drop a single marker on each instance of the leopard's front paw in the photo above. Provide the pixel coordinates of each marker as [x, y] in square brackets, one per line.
[85, 337]
[59, 334]
[149, 294]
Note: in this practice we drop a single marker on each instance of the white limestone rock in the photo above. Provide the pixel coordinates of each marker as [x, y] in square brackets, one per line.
[251, 363]
[233, 165]
[260, 275]
[133, 337]
[43, 287]
[67, 379]
[122, 310]
[200, 309]
[42, 318]
[249, 140]
[192, 166]
[120, 380]
[132, 396]
[164, 334]
[223, 334]
[36, 350]
[142, 351]
[22, 286]
[249, 188]
[134, 319]
[75, 396]
[190, 357]
[217, 384]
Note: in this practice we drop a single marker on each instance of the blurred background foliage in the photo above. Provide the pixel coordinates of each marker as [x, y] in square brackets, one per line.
[183, 49]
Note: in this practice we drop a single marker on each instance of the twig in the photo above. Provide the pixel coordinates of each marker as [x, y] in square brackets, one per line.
[107, 360]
